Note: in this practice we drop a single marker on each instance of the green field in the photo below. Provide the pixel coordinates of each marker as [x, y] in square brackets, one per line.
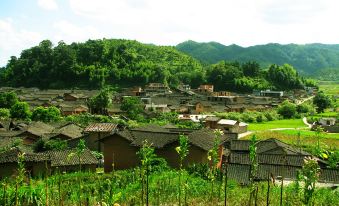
[309, 133]
[285, 123]
[329, 87]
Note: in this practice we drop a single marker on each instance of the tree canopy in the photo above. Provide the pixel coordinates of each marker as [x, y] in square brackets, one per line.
[98, 63]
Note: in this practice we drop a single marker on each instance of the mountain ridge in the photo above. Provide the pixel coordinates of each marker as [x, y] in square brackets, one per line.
[306, 58]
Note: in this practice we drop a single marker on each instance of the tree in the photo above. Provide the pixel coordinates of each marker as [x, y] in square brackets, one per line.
[322, 101]
[20, 110]
[133, 107]
[8, 99]
[287, 109]
[99, 103]
[251, 69]
[46, 114]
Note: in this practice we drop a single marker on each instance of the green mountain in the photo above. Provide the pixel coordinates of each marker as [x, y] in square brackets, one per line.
[307, 59]
[123, 63]
[94, 63]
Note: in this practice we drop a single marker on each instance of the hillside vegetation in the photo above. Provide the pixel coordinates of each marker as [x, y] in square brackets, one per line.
[307, 59]
[96, 63]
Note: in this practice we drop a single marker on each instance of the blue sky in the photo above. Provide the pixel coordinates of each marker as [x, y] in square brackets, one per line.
[25, 23]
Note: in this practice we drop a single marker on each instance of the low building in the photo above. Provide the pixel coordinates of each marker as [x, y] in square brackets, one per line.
[275, 158]
[39, 164]
[157, 107]
[206, 88]
[156, 88]
[201, 107]
[74, 97]
[96, 131]
[269, 93]
[66, 132]
[327, 124]
[121, 147]
[226, 125]
[71, 109]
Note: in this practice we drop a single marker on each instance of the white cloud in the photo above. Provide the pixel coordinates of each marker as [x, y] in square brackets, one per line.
[244, 22]
[69, 32]
[13, 40]
[48, 4]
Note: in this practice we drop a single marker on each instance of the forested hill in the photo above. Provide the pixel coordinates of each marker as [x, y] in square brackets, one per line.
[123, 63]
[97, 62]
[307, 59]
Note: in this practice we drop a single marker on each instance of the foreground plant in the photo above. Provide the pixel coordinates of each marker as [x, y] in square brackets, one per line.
[310, 172]
[146, 155]
[182, 150]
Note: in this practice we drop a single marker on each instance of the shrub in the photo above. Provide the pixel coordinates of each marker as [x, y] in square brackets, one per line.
[46, 114]
[287, 109]
[20, 110]
[4, 113]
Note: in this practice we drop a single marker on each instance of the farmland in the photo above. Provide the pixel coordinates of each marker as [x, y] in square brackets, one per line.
[125, 188]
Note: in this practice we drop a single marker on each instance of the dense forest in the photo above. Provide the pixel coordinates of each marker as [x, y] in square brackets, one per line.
[309, 59]
[96, 63]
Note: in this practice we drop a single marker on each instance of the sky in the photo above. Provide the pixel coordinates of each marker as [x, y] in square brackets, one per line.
[25, 23]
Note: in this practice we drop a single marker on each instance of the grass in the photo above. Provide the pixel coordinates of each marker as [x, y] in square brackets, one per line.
[123, 187]
[329, 87]
[308, 133]
[285, 123]
[308, 139]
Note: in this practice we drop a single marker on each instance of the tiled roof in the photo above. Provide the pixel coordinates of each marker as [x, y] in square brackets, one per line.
[57, 158]
[101, 127]
[329, 175]
[204, 138]
[212, 119]
[70, 130]
[266, 146]
[64, 158]
[160, 137]
[273, 159]
[12, 156]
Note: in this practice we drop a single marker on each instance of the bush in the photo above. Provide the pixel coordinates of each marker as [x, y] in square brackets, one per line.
[305, 108]
[4, 113]
[20, 110]
[287, 109]
[46, 114]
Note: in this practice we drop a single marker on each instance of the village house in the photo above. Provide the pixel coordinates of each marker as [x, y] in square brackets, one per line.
[152, 88]
[34, 131]
[202, 107]
[66, 132]
[193, 117]
[206, 88]
[72, 108]
[37, 164]
[269, 93]
[226, 125]
[328, 124]
[93, 133]
[275, 159]
[121, 147]
[157, 107]
[74, 97]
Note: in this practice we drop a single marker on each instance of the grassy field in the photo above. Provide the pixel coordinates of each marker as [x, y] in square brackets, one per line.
[124, 187]
[328, 141]
[285, 123]
[329, 87]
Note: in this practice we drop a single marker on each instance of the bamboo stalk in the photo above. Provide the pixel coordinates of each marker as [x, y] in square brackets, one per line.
[268, 191]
